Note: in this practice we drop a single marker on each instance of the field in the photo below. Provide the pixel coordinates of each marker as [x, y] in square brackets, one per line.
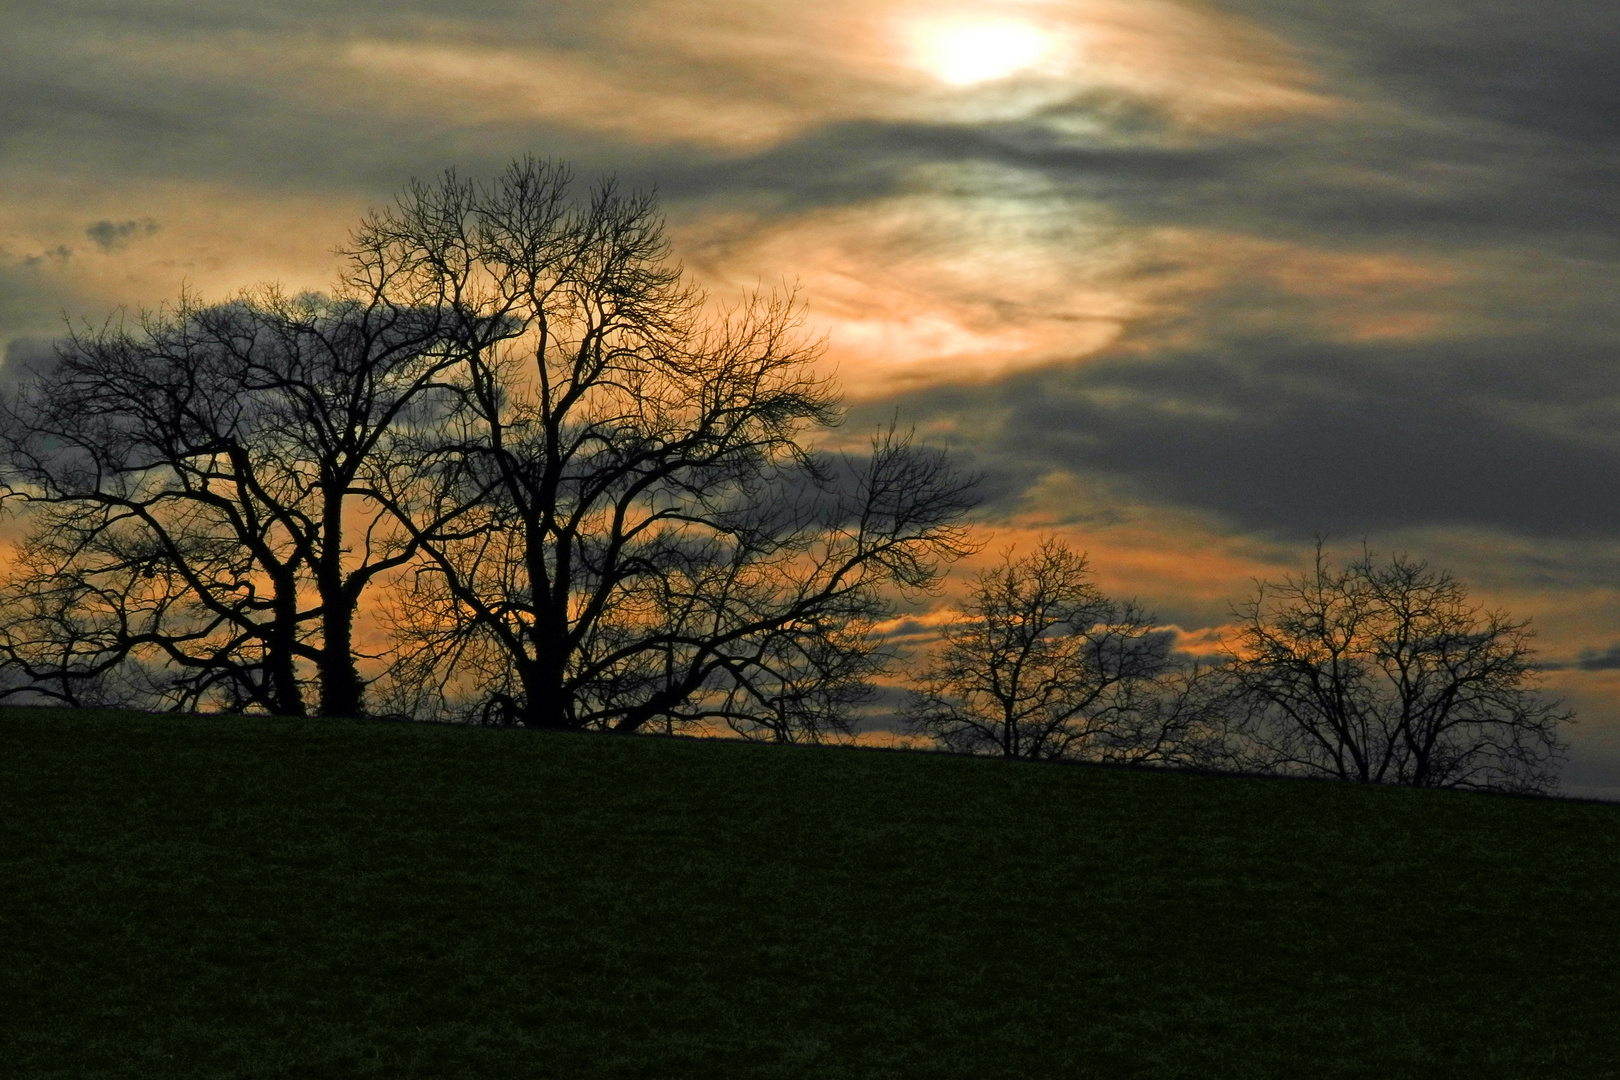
[242, 897]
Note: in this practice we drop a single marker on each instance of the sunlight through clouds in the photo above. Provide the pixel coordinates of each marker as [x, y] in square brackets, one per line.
[921, 290]
[1190, 279]
[966, 51]
[753, 73]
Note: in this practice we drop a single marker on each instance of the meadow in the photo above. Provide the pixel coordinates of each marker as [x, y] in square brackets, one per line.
[248, 897]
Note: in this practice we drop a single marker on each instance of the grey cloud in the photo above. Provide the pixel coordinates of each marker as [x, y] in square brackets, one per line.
[31, 303]
[1290, 438]
[202, 18]
[853, 161]
[59, 253]
[96, 88]
[1403, 170]
[1467, 125]
[1545, 69]
[116, 235]
[1590, 660]
[1396, 182]
[1467, 143]
[24, 356]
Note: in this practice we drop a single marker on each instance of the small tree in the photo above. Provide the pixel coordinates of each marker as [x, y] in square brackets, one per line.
[1043, 665]
[1383, 672]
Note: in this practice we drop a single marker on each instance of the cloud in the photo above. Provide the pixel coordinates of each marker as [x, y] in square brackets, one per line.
[116, 235]
[746, 75]
[918, 289]
[1467, 57]
[1206, 278]
[1607, 659]
[34, 291]
[24, 356]
[61, 253]
[1290, 437]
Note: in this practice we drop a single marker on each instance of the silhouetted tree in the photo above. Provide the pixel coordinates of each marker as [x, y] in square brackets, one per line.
[1043, 665]
[606, 498]
[626, 521]
[1383, 672]
[201, 490]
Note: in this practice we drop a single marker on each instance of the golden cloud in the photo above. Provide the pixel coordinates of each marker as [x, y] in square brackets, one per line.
[925, 289]
[743, 75]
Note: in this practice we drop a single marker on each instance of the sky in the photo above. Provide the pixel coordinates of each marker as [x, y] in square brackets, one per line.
[1190, 283]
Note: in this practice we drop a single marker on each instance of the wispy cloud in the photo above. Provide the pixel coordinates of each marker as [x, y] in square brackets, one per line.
[1189, 280]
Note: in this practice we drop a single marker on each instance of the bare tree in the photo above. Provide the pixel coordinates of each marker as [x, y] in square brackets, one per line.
[54, 644]
[628, 522]
[1190, 716]
[1043, 665]
[200, 489]
[1383, 672]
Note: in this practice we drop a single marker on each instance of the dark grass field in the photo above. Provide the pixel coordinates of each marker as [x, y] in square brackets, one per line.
[230, 897]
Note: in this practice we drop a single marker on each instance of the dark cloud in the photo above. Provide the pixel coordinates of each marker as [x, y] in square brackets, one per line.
[59, 254]
[116, 235]
[857, 160]
[1471, 128]
[196, 19]
[257, 95]
[23, 357]
[1589, 660]
[1546, 70]
[31, 301]
[1357, 183]
[1467, 124]
[1290, 437]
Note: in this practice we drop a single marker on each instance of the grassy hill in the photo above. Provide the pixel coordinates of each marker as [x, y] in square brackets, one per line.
[230, 897]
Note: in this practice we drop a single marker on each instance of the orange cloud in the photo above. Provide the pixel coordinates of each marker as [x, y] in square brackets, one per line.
[923, 289]
[745, 74]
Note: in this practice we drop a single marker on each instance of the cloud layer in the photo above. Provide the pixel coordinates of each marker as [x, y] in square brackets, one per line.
[1190, 280]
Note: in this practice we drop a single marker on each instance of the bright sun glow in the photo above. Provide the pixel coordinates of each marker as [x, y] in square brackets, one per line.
[977, 51]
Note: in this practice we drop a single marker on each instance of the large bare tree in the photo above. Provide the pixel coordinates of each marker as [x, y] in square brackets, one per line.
[1384, 672]
[629, 521]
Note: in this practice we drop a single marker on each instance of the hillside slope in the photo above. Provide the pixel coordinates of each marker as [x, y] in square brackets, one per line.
[244, 897]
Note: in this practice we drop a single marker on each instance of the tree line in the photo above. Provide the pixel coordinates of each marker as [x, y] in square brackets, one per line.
[514, 464]
[1372, 671]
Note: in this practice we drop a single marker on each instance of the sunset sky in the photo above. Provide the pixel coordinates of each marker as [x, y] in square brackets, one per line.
[1190, 283]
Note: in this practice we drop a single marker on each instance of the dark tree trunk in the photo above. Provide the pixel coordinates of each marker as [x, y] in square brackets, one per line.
[545, 699]
[286, 696]
[342, 689]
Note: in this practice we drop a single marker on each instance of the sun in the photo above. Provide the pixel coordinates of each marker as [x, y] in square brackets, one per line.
[967, 51]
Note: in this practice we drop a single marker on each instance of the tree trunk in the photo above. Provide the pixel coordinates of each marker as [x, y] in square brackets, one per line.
[545, 701]
[286, 696]
[342, 690]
